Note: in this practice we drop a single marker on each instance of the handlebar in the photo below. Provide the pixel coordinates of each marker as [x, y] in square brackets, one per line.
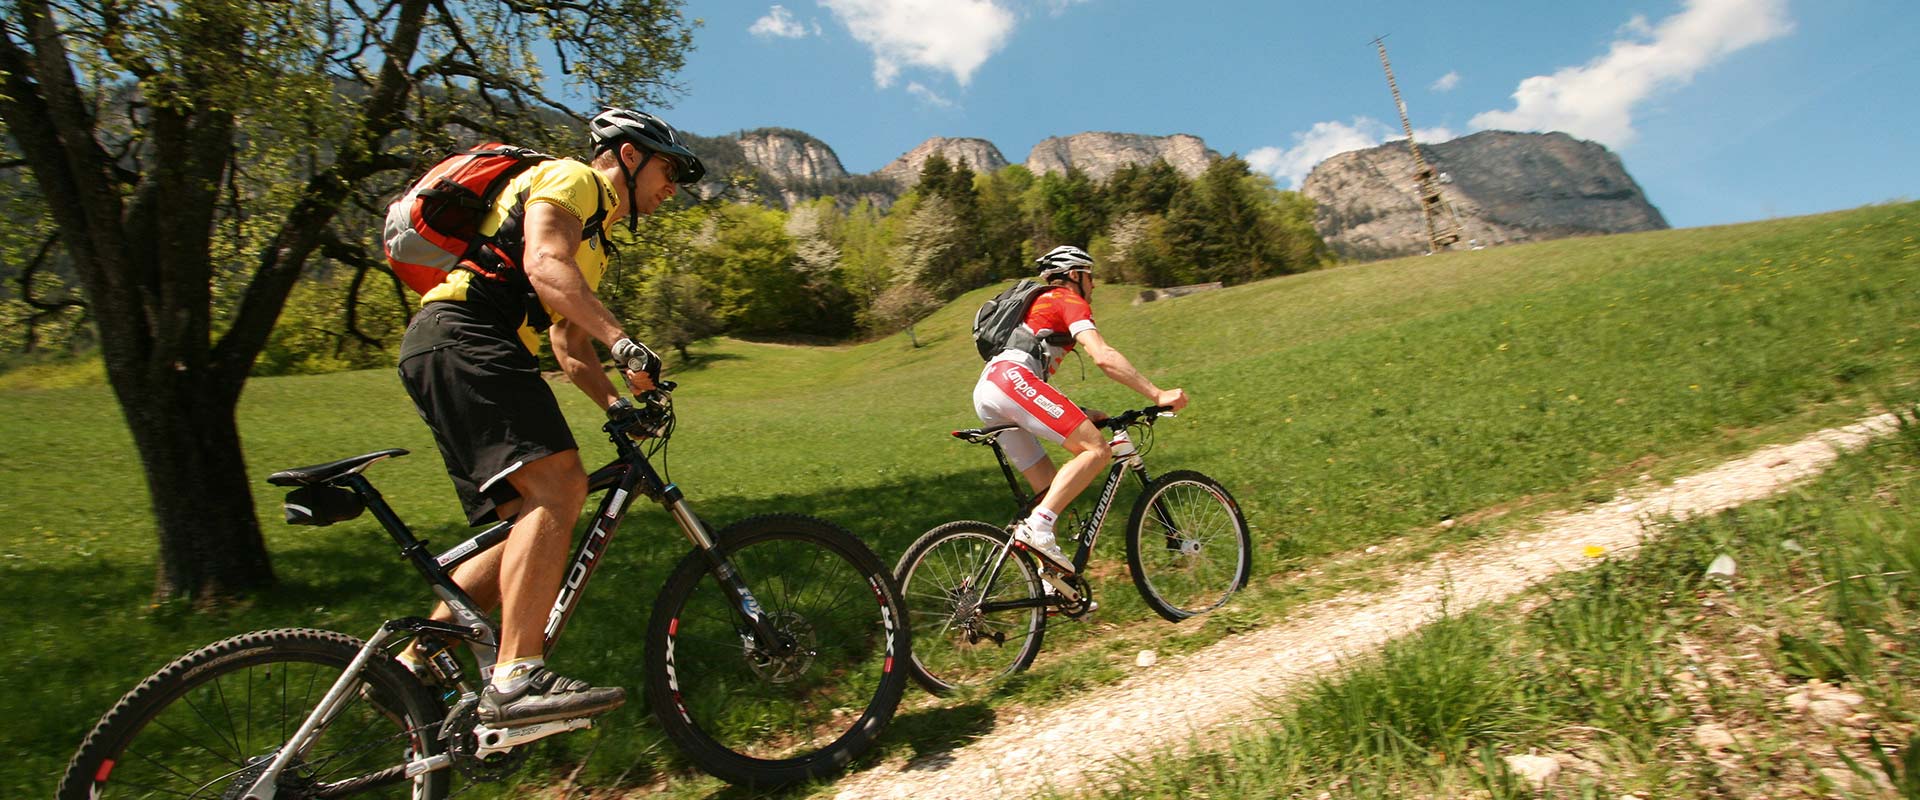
[651, 419]
[1137, 416]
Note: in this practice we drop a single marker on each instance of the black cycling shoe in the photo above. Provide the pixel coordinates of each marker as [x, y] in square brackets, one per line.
[545, 697]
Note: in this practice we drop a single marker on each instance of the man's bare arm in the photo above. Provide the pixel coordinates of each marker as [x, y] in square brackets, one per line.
[1117, 367]
[573, 348]
[552, 237]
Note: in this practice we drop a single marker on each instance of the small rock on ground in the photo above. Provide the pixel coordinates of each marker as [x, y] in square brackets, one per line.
[1537, 770]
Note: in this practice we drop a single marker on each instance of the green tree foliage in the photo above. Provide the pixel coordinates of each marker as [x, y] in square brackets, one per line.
[932, 249]
[1005, 241]
[195, 158]
[763, 287]
[651, 282]
[1063, 209]
[950, 224]
[866, 260]
[1230, 225]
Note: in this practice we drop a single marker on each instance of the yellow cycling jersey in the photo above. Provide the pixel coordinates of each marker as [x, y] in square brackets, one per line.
[566, 183]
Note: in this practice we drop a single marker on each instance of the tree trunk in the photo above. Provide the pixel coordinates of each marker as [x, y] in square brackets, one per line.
[210, 543]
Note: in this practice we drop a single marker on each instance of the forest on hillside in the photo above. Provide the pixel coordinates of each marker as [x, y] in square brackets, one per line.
[823, 271]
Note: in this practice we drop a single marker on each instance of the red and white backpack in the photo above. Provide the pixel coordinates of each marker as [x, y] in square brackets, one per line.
[435, 225]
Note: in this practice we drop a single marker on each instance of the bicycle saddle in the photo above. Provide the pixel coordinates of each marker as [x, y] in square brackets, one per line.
[983, 435]
[330, 471]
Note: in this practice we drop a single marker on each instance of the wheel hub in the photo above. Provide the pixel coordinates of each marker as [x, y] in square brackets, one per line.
[797, 649]
[292, 783]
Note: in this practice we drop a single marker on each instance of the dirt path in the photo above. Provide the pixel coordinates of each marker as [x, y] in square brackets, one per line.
[1204, 695]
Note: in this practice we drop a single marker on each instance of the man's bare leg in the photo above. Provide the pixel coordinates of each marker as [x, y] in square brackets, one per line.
[532, 563]
[1091, 454]
[533, 560]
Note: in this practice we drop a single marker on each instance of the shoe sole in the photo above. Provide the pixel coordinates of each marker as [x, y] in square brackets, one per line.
[1063, 567]
[551, 716]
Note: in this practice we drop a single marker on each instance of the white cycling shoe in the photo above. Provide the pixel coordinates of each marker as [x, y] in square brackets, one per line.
[1042, 545]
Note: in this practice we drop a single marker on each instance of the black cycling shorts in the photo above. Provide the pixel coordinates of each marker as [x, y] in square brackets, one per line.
[481, 392]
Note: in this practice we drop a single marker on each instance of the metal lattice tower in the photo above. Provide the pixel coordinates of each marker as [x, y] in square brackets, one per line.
[1443, 227]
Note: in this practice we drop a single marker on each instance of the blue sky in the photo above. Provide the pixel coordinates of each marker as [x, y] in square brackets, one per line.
[1723, 110]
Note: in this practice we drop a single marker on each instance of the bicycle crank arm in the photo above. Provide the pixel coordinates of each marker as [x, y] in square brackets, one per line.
[499, 740]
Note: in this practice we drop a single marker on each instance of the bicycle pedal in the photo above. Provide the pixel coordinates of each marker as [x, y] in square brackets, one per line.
[499, 740]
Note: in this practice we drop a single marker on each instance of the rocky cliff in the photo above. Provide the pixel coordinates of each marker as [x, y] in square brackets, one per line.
[784, 167]
[790, 155]
[980, 155]
[1505, 187]
[787, 167]
[1100, 154]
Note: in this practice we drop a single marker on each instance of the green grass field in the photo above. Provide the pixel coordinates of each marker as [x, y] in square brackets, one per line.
[1344, 408]
[1644, 674]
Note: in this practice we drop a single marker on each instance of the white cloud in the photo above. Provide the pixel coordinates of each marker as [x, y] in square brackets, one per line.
[1058, 7]
[1596, 100]
[1447, 82]
[1327, 139]
[781, 23]
[927, 95]
[952, 36]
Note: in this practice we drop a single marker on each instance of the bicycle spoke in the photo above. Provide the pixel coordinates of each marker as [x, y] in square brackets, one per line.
[157, 738]
[769, 700]
[1190, 548]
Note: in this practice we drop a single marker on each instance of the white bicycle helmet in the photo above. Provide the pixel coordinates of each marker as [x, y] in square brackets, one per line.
[1062, 260]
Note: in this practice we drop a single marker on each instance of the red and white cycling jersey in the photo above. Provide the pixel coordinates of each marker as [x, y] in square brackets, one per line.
[1059, 310]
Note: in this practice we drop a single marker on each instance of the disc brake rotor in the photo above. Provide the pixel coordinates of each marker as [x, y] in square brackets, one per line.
[798, 640]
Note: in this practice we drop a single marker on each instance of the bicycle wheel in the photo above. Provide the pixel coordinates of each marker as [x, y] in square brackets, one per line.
[207, 725]
[1187, 545]
[955, 644]
[757, 718]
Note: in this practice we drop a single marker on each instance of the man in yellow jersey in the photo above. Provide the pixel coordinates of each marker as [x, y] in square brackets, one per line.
[468, 360]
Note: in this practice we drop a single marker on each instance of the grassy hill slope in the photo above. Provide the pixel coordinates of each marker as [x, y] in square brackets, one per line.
[1343, 407]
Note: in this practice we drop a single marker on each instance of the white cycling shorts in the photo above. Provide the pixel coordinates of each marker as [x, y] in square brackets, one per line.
[1010, 393]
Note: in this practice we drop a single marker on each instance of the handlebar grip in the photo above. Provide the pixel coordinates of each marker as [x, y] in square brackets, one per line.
[636, 357]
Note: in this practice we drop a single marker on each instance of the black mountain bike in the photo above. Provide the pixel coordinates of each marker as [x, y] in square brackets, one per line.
[978, 603]
[769, 659]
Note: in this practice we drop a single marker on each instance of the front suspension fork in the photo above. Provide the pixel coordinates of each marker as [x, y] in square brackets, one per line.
[732, 586]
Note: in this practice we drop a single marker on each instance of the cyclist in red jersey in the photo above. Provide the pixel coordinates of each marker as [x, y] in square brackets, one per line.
[1013, 389]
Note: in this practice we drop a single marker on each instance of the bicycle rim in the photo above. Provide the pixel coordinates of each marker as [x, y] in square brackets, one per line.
[206, 725]
[1188, 545]
[942, 579]
[756, 717]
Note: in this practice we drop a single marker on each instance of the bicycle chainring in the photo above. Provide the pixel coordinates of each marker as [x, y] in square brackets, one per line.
[1079, 608]
[462, 744]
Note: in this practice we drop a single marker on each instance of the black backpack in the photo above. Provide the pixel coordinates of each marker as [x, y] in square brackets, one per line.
[996, 326]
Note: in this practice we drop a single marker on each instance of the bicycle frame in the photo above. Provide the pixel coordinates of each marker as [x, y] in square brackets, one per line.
[1089, 533]
[628, 475]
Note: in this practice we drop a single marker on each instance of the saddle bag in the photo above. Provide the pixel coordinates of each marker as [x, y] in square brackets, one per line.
[322, 505]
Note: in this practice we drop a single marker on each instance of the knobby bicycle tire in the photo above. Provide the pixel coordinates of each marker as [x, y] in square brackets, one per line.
[951, 649]
[1187, 545]
[761, 721]
[196, 727]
